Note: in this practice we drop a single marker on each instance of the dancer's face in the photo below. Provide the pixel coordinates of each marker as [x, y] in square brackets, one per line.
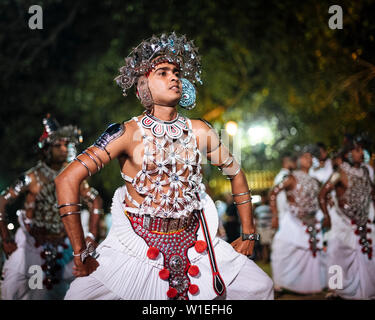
[357, 154]
[165, 85]
[59, 151]
[306, 160]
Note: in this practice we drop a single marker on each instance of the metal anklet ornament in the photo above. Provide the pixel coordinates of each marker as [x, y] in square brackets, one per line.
[188, 95]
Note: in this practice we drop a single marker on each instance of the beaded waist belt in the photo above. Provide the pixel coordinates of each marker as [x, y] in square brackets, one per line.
[160, 225]
[172, 238]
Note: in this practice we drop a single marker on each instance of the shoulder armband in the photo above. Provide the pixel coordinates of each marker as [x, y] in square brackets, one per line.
[334, 177]
[114, 131]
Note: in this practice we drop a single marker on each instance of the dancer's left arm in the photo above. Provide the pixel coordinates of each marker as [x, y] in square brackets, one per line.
[219, 155]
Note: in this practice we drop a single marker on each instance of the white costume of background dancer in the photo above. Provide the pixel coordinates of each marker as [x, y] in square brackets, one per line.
[352, 231]
[296, 248]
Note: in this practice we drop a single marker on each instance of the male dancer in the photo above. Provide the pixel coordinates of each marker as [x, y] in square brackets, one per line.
[352, 233]
[41, 239]
[162, 243]
[288, 165]
[296, 248]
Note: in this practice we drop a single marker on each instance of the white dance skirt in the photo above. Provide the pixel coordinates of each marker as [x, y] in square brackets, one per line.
[17, 272]
[125, 271]
[344, 250]
[293, 265]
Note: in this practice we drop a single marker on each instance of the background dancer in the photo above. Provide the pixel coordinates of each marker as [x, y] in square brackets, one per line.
[41, 239]
[352, 231]
[296, 248]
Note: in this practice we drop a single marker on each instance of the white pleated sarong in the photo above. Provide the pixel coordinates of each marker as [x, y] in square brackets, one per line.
[17, 272]
[125, 272]
[344, 251]
[293, 265]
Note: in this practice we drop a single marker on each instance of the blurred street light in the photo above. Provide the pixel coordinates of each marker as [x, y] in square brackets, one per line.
[260, 134]
[231, 127]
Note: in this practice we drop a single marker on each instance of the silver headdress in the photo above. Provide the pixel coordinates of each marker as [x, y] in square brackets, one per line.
[53, 131]
[155, 50]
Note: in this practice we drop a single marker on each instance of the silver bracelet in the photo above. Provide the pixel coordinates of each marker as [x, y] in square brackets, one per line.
[69, 205]
[233, 175]
[92, 158]
[243, 202]
[90, 235]
[86, 252]
[98, 211]
[70, 213]
[96, 155]
[84, 164]
[228, 161]
[241, 194]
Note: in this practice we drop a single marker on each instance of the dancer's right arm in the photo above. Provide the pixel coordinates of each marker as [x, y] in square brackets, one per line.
[287, 183]
[323, 194]
[10, 194]
[110, 145]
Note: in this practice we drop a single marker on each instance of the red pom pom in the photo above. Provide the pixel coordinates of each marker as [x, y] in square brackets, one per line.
[193, 271]
[171, 293]
[43, 255]
[200, 246]
[356, 232]
[353, 221]
[193, 289]
[368, 230]
[152, 253]
[44, 267]
[164, 274]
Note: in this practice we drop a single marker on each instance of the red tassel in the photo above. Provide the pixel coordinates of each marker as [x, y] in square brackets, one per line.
[193, 271]
[200, 246]
[193, 289]
[152, 253]
[164, 274]
[171, 293]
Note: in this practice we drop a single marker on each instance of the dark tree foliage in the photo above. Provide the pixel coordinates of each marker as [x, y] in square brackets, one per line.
[271, 61]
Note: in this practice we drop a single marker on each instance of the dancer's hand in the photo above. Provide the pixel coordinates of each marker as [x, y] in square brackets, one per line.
[9, 247]
[245, 247]
[83, 269]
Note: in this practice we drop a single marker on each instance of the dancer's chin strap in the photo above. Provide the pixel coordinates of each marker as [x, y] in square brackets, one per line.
[218, 282]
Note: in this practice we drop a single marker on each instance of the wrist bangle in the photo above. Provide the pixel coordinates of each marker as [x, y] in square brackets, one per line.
[85, 252]
[90, 235]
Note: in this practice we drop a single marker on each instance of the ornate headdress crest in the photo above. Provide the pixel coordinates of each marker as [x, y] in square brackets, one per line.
[53, 131]
[164, 48]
